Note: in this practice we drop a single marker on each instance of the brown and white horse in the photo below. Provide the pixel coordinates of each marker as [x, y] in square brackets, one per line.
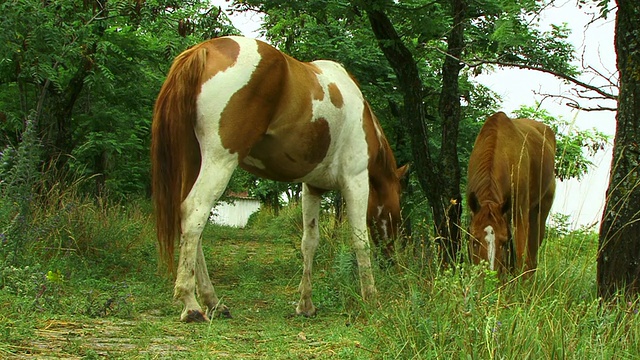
[234, 101]
[511, 180]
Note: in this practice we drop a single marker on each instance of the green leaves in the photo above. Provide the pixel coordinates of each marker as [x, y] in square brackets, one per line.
[90, 72]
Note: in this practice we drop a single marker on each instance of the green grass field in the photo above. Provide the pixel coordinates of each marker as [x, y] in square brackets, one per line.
[83, 282]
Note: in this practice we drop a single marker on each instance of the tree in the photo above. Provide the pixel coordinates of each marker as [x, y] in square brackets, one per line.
[496, 33]
[441, 177]
[419, 78]
[619, 238]
[87, 74]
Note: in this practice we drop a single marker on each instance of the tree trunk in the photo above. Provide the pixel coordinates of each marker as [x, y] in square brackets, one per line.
[619, 240]
[439, 180]
[413, 115]
[449, 108]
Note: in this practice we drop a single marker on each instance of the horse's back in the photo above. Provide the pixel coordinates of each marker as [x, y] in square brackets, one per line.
[508, 150]
[541, 148]
[518, 139]
[488, 171]
[285, 119]
[542, 131]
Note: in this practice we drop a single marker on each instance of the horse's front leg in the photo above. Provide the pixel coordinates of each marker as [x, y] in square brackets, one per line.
[356, 195]
[521, 239]
[310, 239]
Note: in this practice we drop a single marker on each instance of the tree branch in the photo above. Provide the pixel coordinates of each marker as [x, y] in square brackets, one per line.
[566, 77]
[557, 74]
[572, 103]
[598, 108]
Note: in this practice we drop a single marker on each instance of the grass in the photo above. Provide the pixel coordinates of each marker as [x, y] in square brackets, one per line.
[89, 287]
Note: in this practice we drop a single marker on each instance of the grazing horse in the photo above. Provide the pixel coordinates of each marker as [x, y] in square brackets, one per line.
[511, 181]
[234, 101]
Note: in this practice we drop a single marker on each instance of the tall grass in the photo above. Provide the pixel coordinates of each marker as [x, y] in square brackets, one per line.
[468, 313]
[85, 257]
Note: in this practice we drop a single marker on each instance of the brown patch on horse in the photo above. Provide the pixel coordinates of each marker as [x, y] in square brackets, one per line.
[221, 55]
[246, 117]
[335, 95]
[306, 148]
[274, 135]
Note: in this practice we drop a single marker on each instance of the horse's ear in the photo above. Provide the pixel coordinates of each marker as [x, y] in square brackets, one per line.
[474, 204]
[506, 206]
[402, 171]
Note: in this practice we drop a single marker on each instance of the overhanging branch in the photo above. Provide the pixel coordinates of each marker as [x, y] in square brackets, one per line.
[557, 74]
[599, 90]
[572, 103]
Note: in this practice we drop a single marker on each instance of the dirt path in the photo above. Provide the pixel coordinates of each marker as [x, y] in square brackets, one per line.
[99, 338]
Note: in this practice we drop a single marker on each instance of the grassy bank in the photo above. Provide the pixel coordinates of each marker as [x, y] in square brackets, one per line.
[80, 280]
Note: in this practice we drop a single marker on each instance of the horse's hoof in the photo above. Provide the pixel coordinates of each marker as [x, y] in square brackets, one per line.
[307, 313]
[221, 311]
[195, 316]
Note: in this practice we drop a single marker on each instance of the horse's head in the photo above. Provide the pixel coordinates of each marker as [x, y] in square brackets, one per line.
[490, 238]
[383, 212]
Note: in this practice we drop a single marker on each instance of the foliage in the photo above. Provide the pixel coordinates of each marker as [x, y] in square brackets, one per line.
[506, 35]
[82, 263]
[497, 33]
[104, 72]
[19, 177]
[89, 73]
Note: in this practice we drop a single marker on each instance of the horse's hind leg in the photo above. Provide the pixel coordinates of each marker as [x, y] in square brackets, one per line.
[211, 182]
[206, 292]
[310, 239]
[534, 240]
[538, 218]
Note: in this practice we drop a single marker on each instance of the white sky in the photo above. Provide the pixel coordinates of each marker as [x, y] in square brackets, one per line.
[582, 200]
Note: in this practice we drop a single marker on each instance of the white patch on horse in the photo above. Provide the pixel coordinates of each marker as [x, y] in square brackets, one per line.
[216, 160]
[212, 101]
[347, 154]
[216, 167]
[256, 163]
[490, 238]
[385, 232]
[380, 208]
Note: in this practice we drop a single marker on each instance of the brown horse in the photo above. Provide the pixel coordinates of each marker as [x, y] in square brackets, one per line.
[511, 181]
[235, 101]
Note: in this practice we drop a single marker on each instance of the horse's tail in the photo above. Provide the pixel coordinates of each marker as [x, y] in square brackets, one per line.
[175, 153]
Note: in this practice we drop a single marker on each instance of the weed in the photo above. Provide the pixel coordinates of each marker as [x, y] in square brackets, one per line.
[116, 301]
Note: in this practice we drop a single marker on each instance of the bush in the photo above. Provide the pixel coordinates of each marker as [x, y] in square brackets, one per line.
[52, 237]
